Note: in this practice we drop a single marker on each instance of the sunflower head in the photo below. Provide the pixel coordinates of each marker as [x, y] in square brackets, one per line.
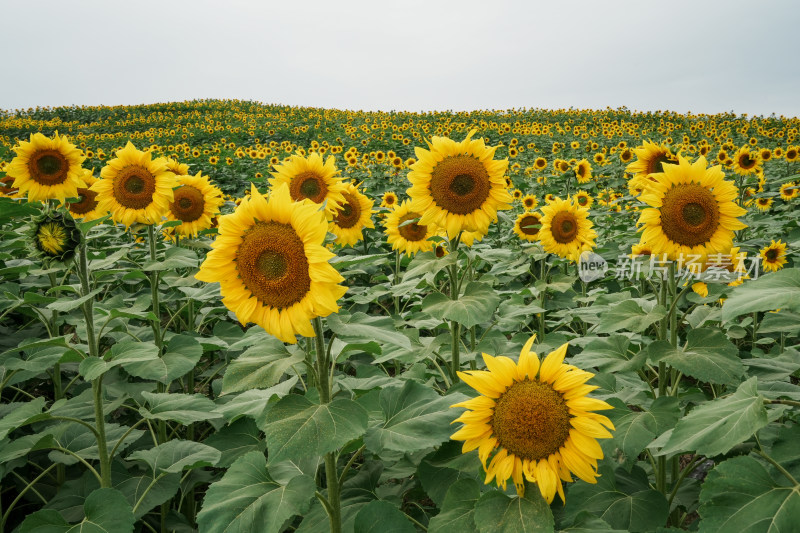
[534, 420]
[353, 215]
[773, 257]
[85, 208]
[527, 226]
[389, 200]
[46, 168]
[529, 202]
[650, 159]
[746, 161]
[195, 203]
[405, 232]
[55, 237]
[566, 229]
[309, 178]
[583, 171]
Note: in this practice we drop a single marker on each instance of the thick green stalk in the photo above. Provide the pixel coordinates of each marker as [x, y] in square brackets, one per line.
[156, 323]
[455, 327]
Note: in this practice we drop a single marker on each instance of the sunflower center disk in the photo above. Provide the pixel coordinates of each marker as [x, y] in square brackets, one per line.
[189, 203]
[772, 254]
[308, 185]
[134, 187]
[460, 184]
[689, 214]
[657, 164]
[564, 227]
[412, 232]
[529, 225]
[272, 264]
[531, 420]
[85, 203]
[350, 213]
[48, 167]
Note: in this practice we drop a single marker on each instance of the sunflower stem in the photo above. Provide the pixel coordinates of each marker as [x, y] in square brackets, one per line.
[455, 327]
[156, 322]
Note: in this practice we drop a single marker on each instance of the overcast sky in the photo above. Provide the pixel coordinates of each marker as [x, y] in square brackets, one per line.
[699, 56]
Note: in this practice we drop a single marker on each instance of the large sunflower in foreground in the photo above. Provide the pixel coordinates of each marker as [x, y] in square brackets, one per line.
[692, 211]
[271, 265]
[310, 178]
[406, 235]
[134, 187]
[195, 203]
[47, 168]
[536, 419]
[527, 226]
[650, 159]
[458, 186]
[566, 229]
[354, 214]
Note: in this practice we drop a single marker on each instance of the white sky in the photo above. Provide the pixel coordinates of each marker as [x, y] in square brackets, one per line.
[682, 55]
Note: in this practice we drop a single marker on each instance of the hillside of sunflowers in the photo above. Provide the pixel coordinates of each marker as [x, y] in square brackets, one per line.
[226, 316]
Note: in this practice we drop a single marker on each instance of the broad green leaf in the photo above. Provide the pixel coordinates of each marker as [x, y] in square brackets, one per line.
[253, 402]
[122, 353]
[106, 510]
[778, 368]
[182, 408]
[497, 513]
[259, 367]
[233, 441]
[360, 326]
[174, 258]
[740, 495]
[19, 414]
[708, 356]
[717, 426]
[296, 427]
[65, 305]
[457, 511]
[475, 306]
[182, 354]
[415, 418]
[247, 499]
[636, 429]
[634, 315]
[611, 354]
[776, 290]
[174, 456]
[380, 516]
[83, 443]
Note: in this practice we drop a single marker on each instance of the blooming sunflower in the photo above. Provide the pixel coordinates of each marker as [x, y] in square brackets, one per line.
[7, 188]
[650, 158]
[176, 167]
[529, 202]
[692, 211]
[773, 257]
[763, 204]
[527, 226]
[352, 217]
[788, 191]
[406, 236]
[55, 236]
[539, 418]
[271, 265]
[47, 168]
[196, 202]
[134, 187]
[583, 171]
[458, 185]
[86, 206]
[310, 178]
[566, 229]
[389, 200]
[746, 162]
[583, 199]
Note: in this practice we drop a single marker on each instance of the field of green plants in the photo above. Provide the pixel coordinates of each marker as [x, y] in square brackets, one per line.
[226, 316]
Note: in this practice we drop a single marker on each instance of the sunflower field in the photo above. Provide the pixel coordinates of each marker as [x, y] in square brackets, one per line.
[225, 316]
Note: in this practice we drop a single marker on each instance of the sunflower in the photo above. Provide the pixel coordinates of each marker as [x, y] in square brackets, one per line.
[746, 162]
[7, 188]
[788, 191]
[271, 265]
[692, 210]
[763, 204]
[176, 167]
[405, 235]
[527, 226]
[583, 171]
[458, 185]
[389, 200]
[650, 158]
[773, 257]
[47, 168]
[538, 418]
[196, 202]
[641, 250]
[86, 206]
[792, 153]
[310, 178]
[55, 236]
[583, 199]
[529, 202]
[135, 187]
[352, 217]
[566, 229]
[516, 194]
[540, 163]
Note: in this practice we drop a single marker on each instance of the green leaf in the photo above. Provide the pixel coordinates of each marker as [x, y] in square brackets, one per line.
[415, 418]
[259, 367]
[458, 510]
[497, 513]
[64, 305]
[233, 441]
[122, 353]
[296, 427]
[634, 315]
[107, 511]
[777, 290]
[475, 306]
[19, 414]
[247, 499]
[183, 353]
[774, 368]
[380, 516]
[636, 429]
[174, 258]
[719, 425]
[175, 456]
[611, 354]
[182, 408]
[359, 326]
[253, 402]
[708, 356]
[740, 495]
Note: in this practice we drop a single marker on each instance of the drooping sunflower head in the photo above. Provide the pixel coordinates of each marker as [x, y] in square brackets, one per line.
[354, 214]
[389, 200]
[134, 187]
[746, 161]
[55, 237]
[650, 159]
[583, 171]
[405, 233]
[458, 185]
[527, 226]
[566, 229]
[773, 257]
[535, 420]
[529, 202]
[47, 168]
[271, 264]
[195, 203]
[309, 178]
[692, 210]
